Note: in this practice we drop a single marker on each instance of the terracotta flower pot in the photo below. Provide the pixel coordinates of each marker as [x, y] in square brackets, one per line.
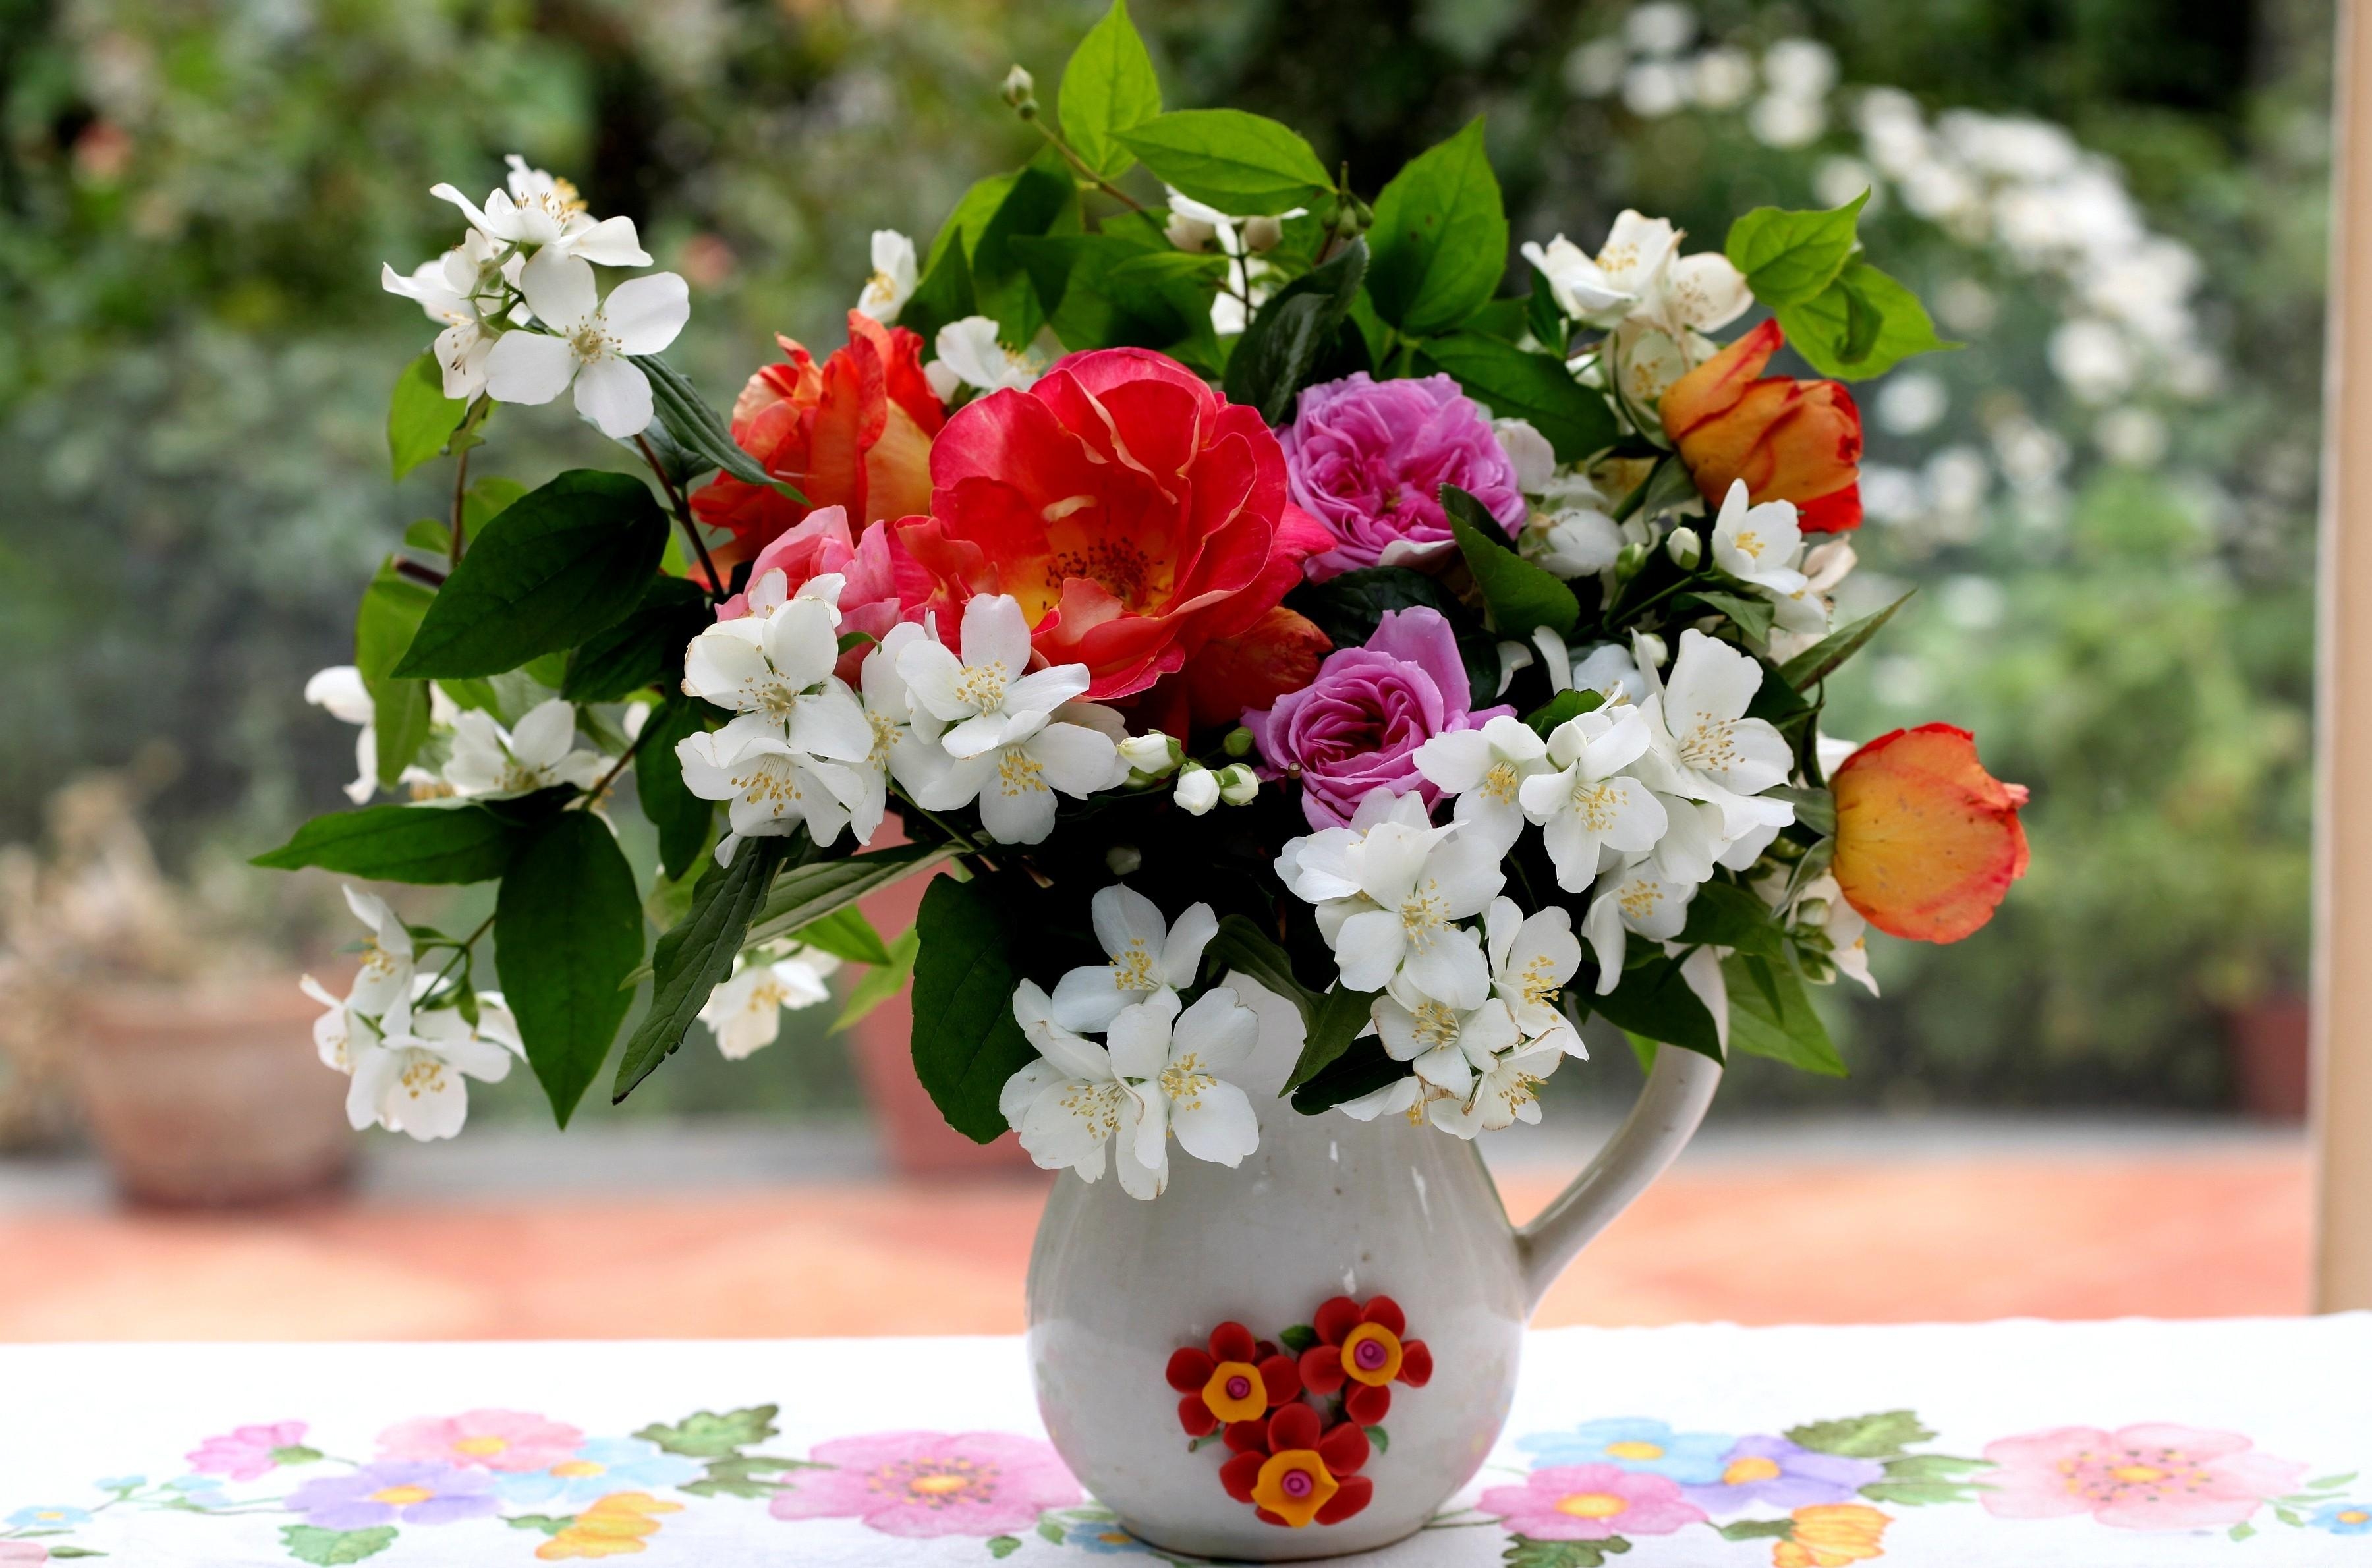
[2267, 1041]
[211, 1096]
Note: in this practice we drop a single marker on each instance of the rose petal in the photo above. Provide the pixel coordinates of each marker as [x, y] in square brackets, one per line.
[1928, 841]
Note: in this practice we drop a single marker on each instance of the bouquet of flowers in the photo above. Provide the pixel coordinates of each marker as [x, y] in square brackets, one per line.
[1211, 571]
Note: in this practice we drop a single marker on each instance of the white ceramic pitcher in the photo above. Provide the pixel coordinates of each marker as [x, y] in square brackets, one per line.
[1326, 1206]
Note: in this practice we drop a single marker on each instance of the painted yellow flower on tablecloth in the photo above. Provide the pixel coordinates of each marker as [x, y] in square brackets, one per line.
[1830, 1535]
[615, 1527]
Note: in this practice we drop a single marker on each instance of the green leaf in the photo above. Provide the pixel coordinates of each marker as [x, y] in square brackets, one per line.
[704, 1434]
[1785, 1030]
[943, 294]
[1878, 1436]
[683, 819]
[698, 430]
[384, 626]
[61, 1554]
[1815, 809]
[1525, 1552]
[645, 649]
[400, 843]
[420, 417]
[1724, 914]
[310, 1543]
[1240, 944]
[544, 1524]
[1891, 325]
[1362, 1069]
[1292, 332]
[1934, 1467]
[1522, 597]
[1116, 290]
[1002, 1547]
[696, 957]
[1565, 704]
[1107, 86]
[1379, 1439]
[1543, 317]
[2329, 1482]
[808, 893]
[568, 928]
[1242, 164]
[2242, 1532]
[743, 1475]
[561, 563]
[1789, 257]
[1758, 1529]
[845, 934]
[1815, 663]
[1349, 607]
[1297, 1337]
[960, 231]
[882, 981]
[1921, 1493]
[1339, 1014]
[1652, 1000]
[294, 1453]
[1049, 1531]
[1441, 236]
[1753, 616]
[966, 1042]
[1043, 200]
[1517, 384]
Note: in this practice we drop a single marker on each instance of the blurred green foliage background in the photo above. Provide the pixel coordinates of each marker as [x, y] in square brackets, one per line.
[196, 195]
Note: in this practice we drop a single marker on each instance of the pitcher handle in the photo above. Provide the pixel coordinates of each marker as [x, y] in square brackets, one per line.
[1677, 1092]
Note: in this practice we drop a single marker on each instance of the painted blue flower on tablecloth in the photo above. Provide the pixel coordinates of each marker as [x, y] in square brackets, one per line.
[597, 1467]
[1104, 1539]
[1636, 1445]
[2342, 1518]
[48, 1517]
[1779, 1474]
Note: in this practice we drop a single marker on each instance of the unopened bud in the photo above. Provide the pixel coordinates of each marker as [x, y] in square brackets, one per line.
[1153, 754]
[1650, 647]
[1198, 789]
[1237, 784]
[1628, 561]
[1262, 234]
[1238, 742]
[1121, 860]
[1188, 234]
[1685, 548]
[1021, 91]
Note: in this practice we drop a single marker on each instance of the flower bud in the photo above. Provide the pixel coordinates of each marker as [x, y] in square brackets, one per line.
[1262, 234]
[1238, 742]
[1151, 755]
[1651, 648]
[1188, 234]
[1121, 860]
[1198, 789]
[1021, 91]
[1628, 561]
[1237, 784]
[1685, 548]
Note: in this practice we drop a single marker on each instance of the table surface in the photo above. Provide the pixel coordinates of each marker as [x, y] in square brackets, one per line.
[2128, 1442]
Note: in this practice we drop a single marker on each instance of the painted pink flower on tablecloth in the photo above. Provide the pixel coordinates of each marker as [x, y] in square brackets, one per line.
[931, 1483]
[2156, 1476]
[494, 1440]
[244, 1453]
[1591, 1503]
[23, 1552]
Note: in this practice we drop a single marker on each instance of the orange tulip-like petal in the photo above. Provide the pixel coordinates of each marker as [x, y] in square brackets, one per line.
[1789, 440]
[1928, 841]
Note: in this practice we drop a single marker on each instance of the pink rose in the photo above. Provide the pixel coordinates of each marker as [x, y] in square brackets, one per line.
[1369, 457]
[931, 1483]
[2157, 1476]
[819, 544]
[1357, 726]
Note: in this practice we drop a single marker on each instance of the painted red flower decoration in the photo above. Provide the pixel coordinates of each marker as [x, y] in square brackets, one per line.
[1363, 1347]
[1293, 1470]
[1237, 1379]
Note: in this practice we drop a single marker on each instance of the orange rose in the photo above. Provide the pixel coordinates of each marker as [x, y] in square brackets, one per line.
[855, 431]
[1928, 841]
[1789, 440]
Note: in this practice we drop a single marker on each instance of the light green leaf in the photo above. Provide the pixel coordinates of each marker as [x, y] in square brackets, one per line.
[1516, 384]
[807, 894]
[384, 626]
[845, 934]
[1770, 1014]
[966, 1042]
[1723, 914]
[1002, 1547]
[1789, 257]
[310, 1543]
[696, 957]
[1242, 164]
[1815, 663]
[420, 417]
[1107, 86]
[1440, 237]
[1522, 596]
[707, 1436]
[1878, 1436]
[401, 843]
[1862, 324]
[568, 927]
[882, 981]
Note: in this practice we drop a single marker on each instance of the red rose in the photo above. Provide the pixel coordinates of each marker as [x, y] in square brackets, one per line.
[1137, 516]
[853, 432]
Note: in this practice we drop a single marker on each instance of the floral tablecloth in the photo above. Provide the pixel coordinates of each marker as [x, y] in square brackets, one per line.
[2094, 1444]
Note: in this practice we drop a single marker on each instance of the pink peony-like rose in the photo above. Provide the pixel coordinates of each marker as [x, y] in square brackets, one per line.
[1357, 726]
[245, 1452]
[2157, 1476]
[511, 1441]
[820, 543]
[1369, 457]
[931, 1483]
[1591, 1503]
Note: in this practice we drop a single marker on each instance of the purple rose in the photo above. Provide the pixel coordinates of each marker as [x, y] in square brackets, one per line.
[1357, 726]
[411, 1491]
[1370, 458]
[1779, 1474]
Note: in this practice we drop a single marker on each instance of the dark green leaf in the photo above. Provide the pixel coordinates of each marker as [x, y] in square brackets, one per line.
[1441, 236]
[845, 934]
[882, 982]
[697, 429]
[1043, 200]
[1297, 1337]
[1241, 164]
[645, 649]
[1652, 1000]
[420, 417]
[1362, 1069]
[966, 1042]
[559, 566]
[1517, 384]
[1107, 86]
[1753, 616]
[807, 894]
[1789, 257]
[683, 819]
[1815, 663]
[1337, 1015]
[1543, 316]
[1522, 597]
[694, 958]
[401, 843]
[384, 626]
[1758, 1529]
[1115, 290]
[707, 1436]
[1878, 1436]
[1789, 1030]
[310, 1543]
[1823, 328]
[568, 928]
[63, 1553]
[1292, 333]
[943, 294]
[1239, 943]
[1506, 319]
[1565, 704]
[1723, 914]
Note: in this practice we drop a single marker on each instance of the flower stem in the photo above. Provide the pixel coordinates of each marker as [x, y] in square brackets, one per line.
[1080, 164]
[601, 785]
[684, 516]
[952, 831]
[460, 484]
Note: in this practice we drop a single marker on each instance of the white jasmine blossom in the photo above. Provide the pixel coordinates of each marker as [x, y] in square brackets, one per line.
[746, 1012]
[1238, 784]
[538, 211]
[1588, 808]
[1067, 1105]
[774, 788]
[1423, 883]
[1505, 1091]
[1484, 768]
[1532, 959]
[1759, 544]
[340, 690]
[1176, 1065]
[774, 667]
[1632, 899]
[1704, 747]
[410, 1076]
[384, 976]
[1323, 869]
[894, 279]
[466, 290]
[538, 754]
[1443, 1043]
[1603, 288]
[1148, 957]
[989, 696]
[588, 342]
[970, 354]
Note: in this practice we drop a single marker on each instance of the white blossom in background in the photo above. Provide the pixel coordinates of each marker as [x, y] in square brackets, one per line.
[588, 342]
[340, 690]
[745, 1013]
[894, 279]
[1587, 806]
[1174, 1064]
[540, 753]
[385, 974]
[1148, 957]
[1484, 769]
[971, 354]
[411, 1077]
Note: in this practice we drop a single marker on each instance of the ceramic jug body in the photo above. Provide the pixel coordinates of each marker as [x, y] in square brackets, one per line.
[1326, 1206]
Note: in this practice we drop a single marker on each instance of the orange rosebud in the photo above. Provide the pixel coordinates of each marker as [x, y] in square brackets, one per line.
[1928, 841]
[1789, 440]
